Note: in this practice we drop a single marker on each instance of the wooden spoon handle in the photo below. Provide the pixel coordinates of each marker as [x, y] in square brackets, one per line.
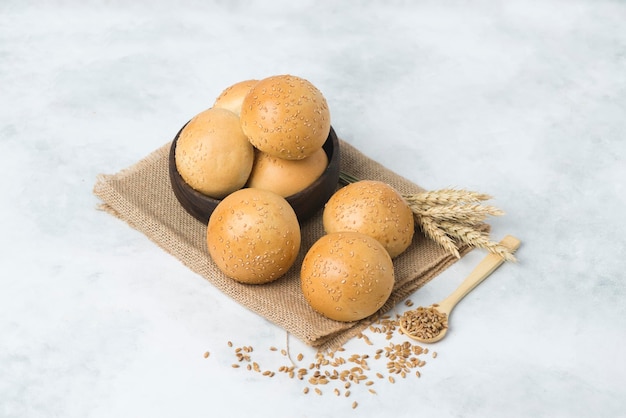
[487, 266]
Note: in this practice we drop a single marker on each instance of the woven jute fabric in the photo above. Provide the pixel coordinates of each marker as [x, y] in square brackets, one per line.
[141, 195]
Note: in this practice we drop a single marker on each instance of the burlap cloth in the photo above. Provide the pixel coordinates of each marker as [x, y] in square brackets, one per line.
[141, 195]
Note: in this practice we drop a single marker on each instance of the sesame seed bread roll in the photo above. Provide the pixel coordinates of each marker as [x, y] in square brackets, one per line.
[213, 155]
[232, 97]
[347, 276]
[286, 177]
[285, 116]
[253, 236]
[373, 208]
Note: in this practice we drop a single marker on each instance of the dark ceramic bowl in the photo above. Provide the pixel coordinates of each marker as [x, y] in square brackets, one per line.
[305, 203]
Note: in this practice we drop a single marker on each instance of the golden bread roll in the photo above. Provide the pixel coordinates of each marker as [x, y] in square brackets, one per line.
[373, 208]
[286, 177]
[347, 276]
[285, 116]
[232, 97]
[253, 236]
[213, 155]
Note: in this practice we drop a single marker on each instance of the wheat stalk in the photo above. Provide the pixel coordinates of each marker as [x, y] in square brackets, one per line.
[471, 214]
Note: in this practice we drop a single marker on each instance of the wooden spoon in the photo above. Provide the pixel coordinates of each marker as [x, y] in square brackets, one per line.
[487, 266]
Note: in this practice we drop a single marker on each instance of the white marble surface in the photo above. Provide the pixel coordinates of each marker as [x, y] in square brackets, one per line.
[523, 100]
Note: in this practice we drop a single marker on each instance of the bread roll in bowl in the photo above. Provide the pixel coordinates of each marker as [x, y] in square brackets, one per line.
[253, 236]
[286, 177]
[373, 208]
[347, 276]
[232, 97]
[212, 154]
[285, 116]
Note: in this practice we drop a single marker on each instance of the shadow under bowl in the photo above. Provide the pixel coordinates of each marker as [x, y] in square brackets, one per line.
[305, 203]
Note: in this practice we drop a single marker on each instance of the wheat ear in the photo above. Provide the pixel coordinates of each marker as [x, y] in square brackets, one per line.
[470, 214]
[437, 234]
[447, 196]
[476, 238]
